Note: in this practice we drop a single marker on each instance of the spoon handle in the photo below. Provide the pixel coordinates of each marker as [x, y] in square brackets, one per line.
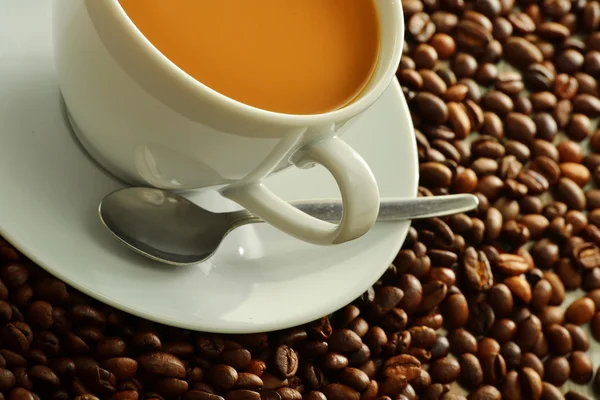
[390, 209]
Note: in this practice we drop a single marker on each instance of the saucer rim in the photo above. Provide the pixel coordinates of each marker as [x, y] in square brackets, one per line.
[240, 328]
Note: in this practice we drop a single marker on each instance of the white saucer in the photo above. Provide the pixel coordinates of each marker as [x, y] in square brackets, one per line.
[259, 280]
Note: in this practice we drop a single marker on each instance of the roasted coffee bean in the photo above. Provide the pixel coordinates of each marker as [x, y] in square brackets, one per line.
[582, 369]
[538, 77]
[548, 168]
[443, 44]
[545, 253]
[13, 338]
[557, 370]
[24, 394]
[462, 341]
[421, 27]
[519, 127]
[40, 315]
[541, 294]
[465, 181]
[335, 361]
[464, 66]
[579, 127]
[545, 125]
[422, 336]
[341, 340]
[484, 166]
[511, 353]
[569, 152]
[531, 383]
[486, 73]
[494, 368]
[528, 333]
[586, 104]
[445, 370]
[440, 348]
[474, 111]
[121, 367]
[386, 298]
[580, 341]
[536, 223]
[457, 310]
[576, 172]
[565, 86]
[577, 220]
[402, 365]
[435, 174]
[520, 288]
[486, 392]
[471, 373]
[22, 378]
[592, 197]
[477, 269]
[552, 315]
[562, 113]
[354, 378]
[44, 378]
[521, 52]
[481, 317]
[522, 105]
[444, 21]
[511, 264]
[517, 149]
[503, 330]
[471, 36]
[530, 360]
[543, 101]
[558, 289]
[522, 22]
[510, 83]
[337, 391]
[511, 387]
[163, 364]
[497, 102]
[501, 299]
[509, 208]
[580, 311]
[7, 380]
[571, 194]
[569, 61]
[148, 341]
[568, 274]
[559, 339]
[433, 294]
[535, 182]
[432, 82]
[200, 395]
[85, 314]
[431, 107]
[425, 56]
[573, 395]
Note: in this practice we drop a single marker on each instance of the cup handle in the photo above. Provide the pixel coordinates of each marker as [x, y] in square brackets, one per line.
[360, 196]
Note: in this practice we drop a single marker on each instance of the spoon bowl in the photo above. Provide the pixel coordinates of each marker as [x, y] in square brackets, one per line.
[169, 228]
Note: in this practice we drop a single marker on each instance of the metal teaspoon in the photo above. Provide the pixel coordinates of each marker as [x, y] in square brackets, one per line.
[169, 228]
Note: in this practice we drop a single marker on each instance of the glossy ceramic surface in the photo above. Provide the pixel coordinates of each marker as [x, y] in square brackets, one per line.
[260, 279]
[149, 122]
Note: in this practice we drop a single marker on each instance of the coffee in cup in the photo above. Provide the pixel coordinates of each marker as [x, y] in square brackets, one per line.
[290, 56]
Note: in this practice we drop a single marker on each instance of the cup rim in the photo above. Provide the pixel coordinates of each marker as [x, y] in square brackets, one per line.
[344, 113]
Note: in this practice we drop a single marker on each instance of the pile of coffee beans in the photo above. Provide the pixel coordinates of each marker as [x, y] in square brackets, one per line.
[500, 303]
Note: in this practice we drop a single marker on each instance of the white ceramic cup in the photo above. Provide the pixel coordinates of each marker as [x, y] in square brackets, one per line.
[149, 123]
